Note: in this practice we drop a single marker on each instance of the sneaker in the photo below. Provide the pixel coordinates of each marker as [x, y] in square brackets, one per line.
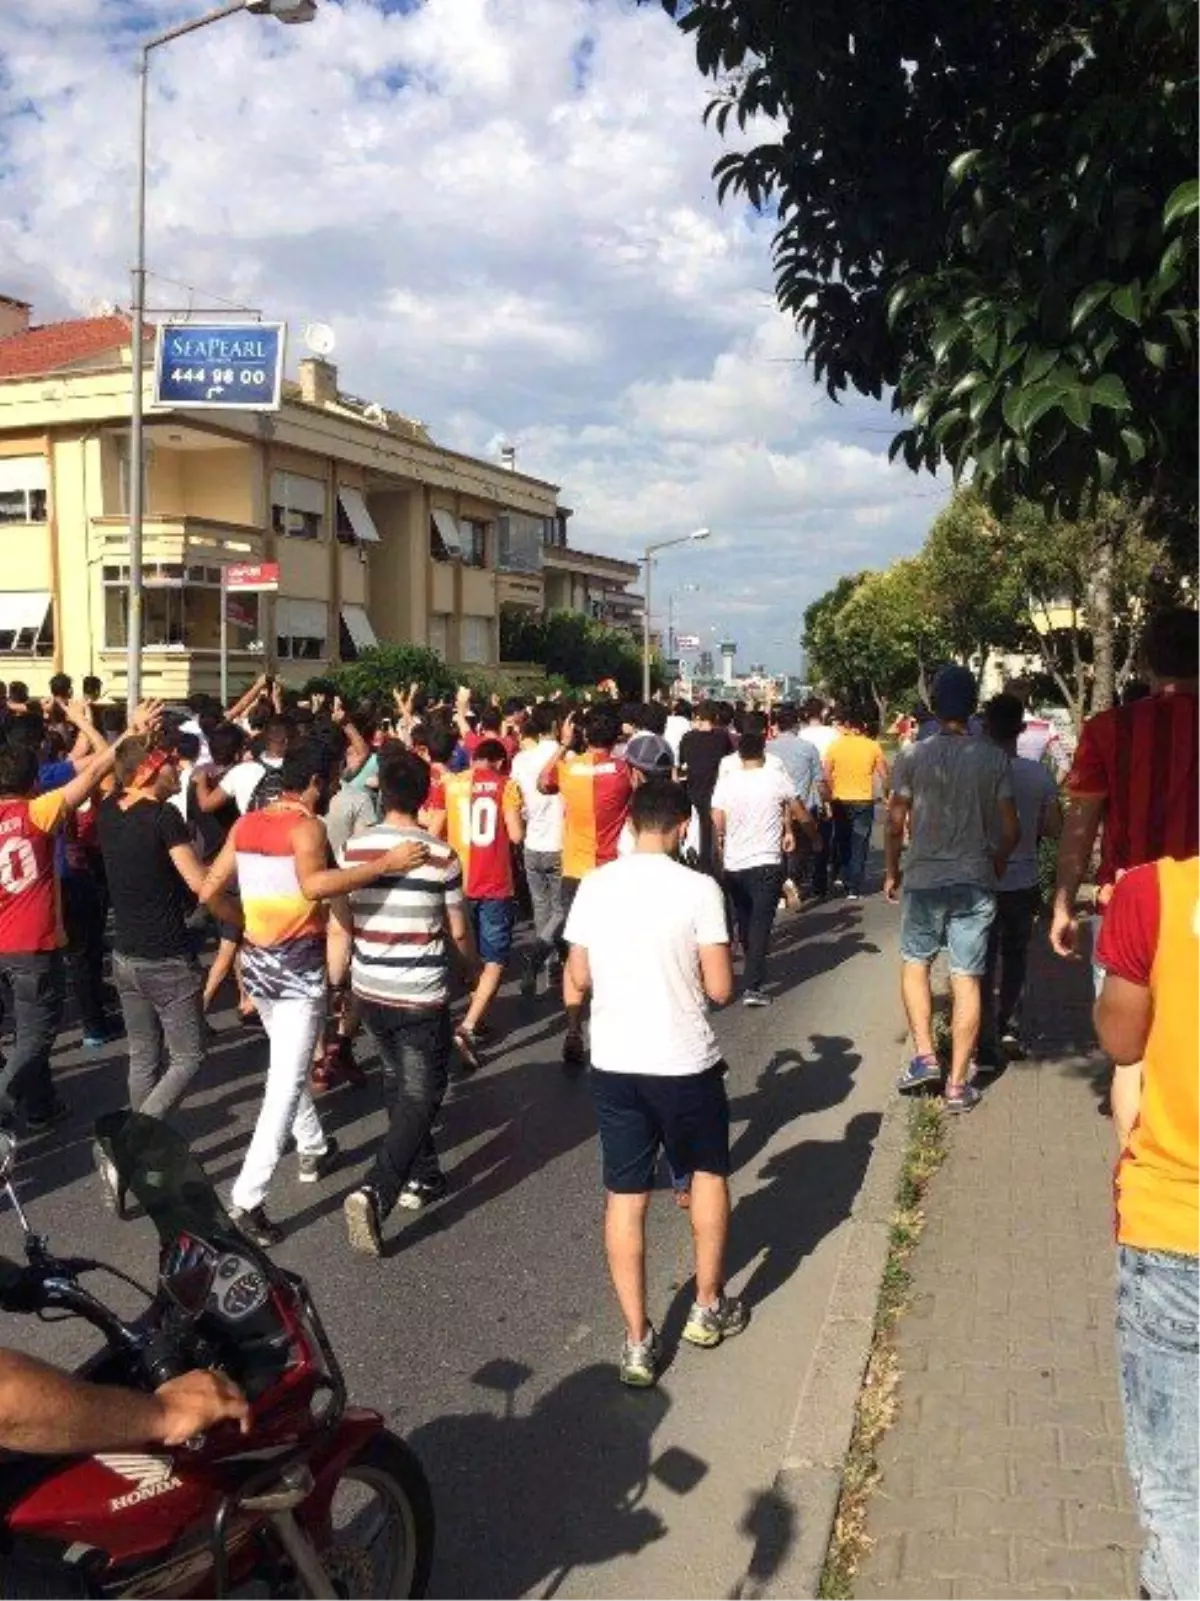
[364, 1226]
[314, 1167]
[639, 1362]
[853, 895]
[256, 1225]
[419, 1193]
[791, 895]
[50, 1117]
[468, 1050]
[756, 998]
[574, 1051]
[97, 1042]
[964, 1099]
[922, 1070]
[709, 1325]
[110, 1182]
[529, 980]
[1013, 1046]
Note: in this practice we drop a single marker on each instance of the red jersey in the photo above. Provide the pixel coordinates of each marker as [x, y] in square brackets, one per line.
[475, 805]
[30, 914]
[1141, 759]
[596, 789]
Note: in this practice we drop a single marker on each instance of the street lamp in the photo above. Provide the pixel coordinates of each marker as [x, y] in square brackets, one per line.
[290, 11]
[648, 560]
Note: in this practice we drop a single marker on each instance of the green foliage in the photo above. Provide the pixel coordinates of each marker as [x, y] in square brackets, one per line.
[383, 668]
[991, 211]
[575, 648]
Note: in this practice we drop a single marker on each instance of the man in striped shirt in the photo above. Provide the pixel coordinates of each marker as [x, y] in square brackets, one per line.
[393, 941]
[1135, 772]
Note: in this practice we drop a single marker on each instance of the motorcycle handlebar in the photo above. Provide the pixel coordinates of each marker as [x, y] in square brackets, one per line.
[52, 1286]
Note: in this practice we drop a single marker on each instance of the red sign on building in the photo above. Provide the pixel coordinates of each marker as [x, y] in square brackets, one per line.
[250, 576]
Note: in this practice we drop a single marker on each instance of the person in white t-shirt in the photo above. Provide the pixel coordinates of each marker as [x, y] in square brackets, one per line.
[678, 724]
[648, 938]
[755, 812]
[753, 723]
[543, 839]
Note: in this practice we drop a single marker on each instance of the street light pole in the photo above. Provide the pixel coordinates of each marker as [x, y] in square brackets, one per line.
[285, 11]
[648, 561]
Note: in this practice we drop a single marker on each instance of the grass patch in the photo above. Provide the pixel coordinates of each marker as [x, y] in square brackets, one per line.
[876, 1406]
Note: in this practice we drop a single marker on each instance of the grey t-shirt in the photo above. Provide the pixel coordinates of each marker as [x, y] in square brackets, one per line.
[955, 784]
[802, 762]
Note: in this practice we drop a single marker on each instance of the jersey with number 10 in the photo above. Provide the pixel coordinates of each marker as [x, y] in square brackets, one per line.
[475, 805]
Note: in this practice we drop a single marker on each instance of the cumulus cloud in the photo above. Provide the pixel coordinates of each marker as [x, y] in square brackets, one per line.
[504, 208]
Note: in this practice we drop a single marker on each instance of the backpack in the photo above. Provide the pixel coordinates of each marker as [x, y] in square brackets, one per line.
[268, 789]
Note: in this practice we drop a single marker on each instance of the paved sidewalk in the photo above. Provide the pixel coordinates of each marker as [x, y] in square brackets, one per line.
[1004, 1473]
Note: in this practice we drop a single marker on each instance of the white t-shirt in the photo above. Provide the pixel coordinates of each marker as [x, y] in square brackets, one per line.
[642, 920]
[241, 781]
[733, 764]
[543, 813]
[820, 735]
[752, 799]
[676, 728]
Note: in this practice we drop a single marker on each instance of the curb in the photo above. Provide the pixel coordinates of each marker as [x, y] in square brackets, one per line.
[809, 1481]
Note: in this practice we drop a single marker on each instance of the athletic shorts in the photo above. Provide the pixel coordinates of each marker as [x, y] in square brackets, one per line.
[957, 916]
[641, 1114]
[492, 923]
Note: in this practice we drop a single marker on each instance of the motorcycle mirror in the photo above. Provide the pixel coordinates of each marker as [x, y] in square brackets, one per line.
[8, 1156]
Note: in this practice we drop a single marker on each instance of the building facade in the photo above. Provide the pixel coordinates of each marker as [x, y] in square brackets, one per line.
[380, 533]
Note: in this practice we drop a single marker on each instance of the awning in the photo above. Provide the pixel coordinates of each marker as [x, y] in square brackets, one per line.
[358, 626]
[295, 493]
[447, 531]
[361, 520]
[301, 619]
[22, 609]
[22, 472]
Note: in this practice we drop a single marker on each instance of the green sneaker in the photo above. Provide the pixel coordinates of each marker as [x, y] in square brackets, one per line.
[639, 1363]
[709, 1325]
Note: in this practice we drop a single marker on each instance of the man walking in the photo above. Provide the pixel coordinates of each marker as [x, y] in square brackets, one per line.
[753, 808]
[854, 763]
[1018, 894]
[483, 820]
[701, 752]
[803, 765]
[647, 937]
[404, 998]
[953, 794]
[543, 839]
[1146, 1020]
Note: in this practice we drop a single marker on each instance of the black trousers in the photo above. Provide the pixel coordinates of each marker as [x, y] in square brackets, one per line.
[84, 913]
[1008, 959]
[754, 896]
[415, 1048]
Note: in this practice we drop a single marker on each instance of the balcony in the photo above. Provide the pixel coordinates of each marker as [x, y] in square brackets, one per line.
[178, 540]
[523, 590]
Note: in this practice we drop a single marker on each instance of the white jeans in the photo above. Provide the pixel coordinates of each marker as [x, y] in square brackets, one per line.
[293, 1028]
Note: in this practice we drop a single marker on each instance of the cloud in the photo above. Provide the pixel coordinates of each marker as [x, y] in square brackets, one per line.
[505, 209]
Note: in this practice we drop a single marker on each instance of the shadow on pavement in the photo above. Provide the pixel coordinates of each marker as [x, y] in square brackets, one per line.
[527, 1497]
[771, 1523]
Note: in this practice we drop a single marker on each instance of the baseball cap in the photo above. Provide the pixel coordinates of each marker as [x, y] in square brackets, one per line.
[650, 753]
[955, 694]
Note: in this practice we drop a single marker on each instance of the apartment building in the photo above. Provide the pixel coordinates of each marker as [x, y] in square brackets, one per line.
[380, 533]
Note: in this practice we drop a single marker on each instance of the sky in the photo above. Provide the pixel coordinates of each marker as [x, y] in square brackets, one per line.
[505, 211]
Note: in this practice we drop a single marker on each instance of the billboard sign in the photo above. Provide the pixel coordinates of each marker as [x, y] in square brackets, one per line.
[252, 577]
[236, 366]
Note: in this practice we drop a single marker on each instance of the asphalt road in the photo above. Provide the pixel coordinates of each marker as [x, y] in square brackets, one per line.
[489, 1336]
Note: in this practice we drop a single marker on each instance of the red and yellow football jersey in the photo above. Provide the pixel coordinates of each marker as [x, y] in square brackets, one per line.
[475, 805]
[596, 789]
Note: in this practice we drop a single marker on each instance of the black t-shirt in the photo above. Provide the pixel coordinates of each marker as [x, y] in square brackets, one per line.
[701, 751]
[149, 899]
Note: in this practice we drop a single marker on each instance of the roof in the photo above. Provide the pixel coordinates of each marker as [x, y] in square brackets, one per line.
[54, 345]
[571, 556]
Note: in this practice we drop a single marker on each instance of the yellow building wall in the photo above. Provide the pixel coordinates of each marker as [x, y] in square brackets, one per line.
[441, 596]
[353, 576]
[304, 568]
[221, 484]
[478, 592]
[397, 565]
[79, 620]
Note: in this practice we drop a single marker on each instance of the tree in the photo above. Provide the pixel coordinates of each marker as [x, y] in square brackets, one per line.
[990, 210]
[576, 648]
[973, 587]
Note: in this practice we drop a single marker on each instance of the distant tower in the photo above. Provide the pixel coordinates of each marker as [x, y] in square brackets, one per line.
[704, 667]
[728, 652]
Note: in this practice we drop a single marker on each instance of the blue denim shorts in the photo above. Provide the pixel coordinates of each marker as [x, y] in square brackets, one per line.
[957, 917]
[492, 923]
[1158, 1313]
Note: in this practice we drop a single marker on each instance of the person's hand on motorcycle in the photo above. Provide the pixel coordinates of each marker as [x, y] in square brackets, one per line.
[196, 1402]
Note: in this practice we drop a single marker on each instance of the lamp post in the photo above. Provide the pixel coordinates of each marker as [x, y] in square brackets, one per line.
[285, 11]
[648, 560]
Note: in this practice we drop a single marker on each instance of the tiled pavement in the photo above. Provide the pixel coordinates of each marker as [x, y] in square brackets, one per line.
[1004, 1472]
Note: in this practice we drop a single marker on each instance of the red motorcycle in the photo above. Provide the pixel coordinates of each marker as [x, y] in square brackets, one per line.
[319, 1499]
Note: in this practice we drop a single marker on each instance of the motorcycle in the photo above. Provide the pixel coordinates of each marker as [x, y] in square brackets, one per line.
[319, 1499]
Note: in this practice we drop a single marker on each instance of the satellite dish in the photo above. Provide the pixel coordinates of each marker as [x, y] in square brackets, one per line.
[320, 338]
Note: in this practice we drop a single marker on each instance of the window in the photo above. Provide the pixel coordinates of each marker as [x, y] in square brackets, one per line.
[519, 542]
[26, 623]
[554, 533]
[444, 541]
[23, 482]
[181, 609]
[439, 632]
[301, 629]
[355, 525]
[474, 543]
[475, 635]
[297, 506]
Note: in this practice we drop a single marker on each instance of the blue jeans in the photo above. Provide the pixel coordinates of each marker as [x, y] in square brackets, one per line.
[957, 916]
[1158, 1302]
[852, 825]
